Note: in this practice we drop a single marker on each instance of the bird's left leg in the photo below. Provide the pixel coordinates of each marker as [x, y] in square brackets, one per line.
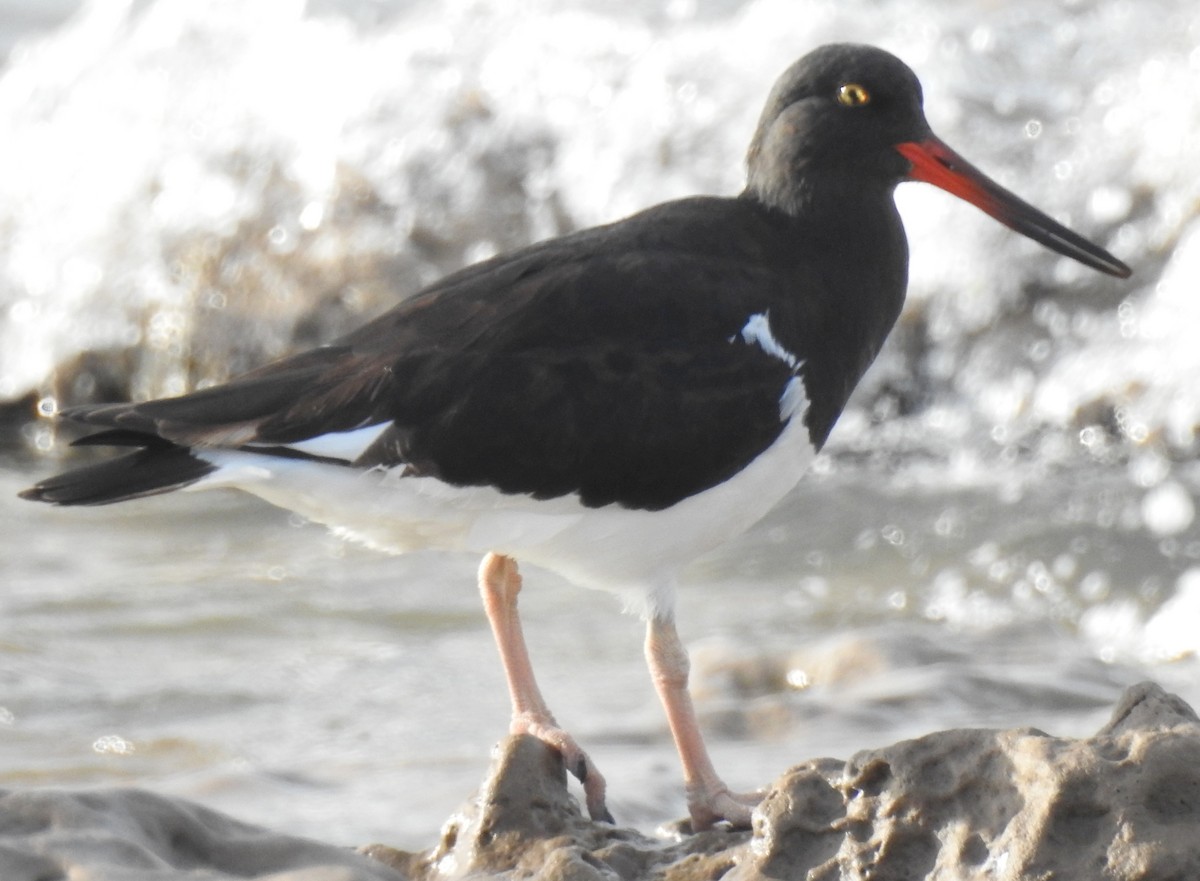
[499, 584]
[709, 799]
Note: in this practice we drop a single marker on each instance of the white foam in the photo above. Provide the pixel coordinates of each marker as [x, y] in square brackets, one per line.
[161, 141]
[1172, 633]
[1168, 509]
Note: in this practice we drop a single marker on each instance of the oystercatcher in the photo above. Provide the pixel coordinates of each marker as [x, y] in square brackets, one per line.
[609, 404]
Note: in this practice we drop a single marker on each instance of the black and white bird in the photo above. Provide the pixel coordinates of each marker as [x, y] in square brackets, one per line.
[609, 404]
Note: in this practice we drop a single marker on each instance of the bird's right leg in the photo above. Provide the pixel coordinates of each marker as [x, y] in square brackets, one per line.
[499, 584]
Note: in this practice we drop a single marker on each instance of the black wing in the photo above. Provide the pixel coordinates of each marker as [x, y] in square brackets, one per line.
[609, 363]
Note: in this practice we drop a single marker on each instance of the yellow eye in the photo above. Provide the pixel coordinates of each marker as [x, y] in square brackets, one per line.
[853, 95]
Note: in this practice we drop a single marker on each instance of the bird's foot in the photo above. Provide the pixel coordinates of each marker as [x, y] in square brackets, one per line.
[713, 803]
[577, 762]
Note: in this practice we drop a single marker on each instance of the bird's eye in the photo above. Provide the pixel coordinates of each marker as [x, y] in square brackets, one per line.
[853, 95]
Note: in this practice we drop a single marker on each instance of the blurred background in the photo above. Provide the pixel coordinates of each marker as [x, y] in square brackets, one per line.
[1001, 532]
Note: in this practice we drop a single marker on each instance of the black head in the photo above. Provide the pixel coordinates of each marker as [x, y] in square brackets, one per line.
[840, 110]
[845, 124]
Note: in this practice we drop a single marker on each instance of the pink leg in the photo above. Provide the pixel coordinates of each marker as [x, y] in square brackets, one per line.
[499, 584]
[709, 799]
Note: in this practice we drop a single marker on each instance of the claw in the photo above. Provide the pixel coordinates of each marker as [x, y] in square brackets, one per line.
[708, 807]
[575, 760]
[499, 585]
[593, 789]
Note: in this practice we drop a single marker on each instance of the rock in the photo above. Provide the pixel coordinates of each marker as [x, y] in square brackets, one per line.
[122, 834]
[523, 823]
[1019, 804]
[960, 804]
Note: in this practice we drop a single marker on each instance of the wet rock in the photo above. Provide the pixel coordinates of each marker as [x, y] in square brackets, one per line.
[523, 823]
[123, 834]
[1017, 804]
[961, 804]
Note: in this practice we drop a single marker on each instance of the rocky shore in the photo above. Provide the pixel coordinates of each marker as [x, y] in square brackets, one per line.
[960, 804]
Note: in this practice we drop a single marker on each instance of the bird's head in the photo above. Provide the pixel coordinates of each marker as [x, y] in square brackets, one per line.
[848, 119]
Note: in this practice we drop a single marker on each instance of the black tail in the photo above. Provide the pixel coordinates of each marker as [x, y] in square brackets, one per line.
[158, 467]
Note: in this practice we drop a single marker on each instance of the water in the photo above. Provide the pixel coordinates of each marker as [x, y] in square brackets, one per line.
[211, 648]
[1002, 532]
[23, 20]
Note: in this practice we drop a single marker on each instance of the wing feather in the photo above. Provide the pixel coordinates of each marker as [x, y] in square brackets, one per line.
[587, 365]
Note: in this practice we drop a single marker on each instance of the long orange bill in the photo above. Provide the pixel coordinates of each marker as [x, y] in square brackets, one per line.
[935, 163]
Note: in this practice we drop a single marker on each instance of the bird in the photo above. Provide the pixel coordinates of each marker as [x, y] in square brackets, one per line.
[609, 404]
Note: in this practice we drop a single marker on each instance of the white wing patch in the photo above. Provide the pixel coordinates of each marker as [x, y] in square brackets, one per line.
[757, 330]
[794, 400]
[345, 445]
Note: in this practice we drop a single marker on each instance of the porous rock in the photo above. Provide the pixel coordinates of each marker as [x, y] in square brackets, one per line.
[524, 824]
[1008, 805]
[1016, 805]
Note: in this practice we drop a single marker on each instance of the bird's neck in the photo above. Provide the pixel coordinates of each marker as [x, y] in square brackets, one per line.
[850, 220]
[837, 196]
[851, 237]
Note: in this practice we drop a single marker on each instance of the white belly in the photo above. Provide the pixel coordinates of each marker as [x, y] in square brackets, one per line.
[635, 553]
